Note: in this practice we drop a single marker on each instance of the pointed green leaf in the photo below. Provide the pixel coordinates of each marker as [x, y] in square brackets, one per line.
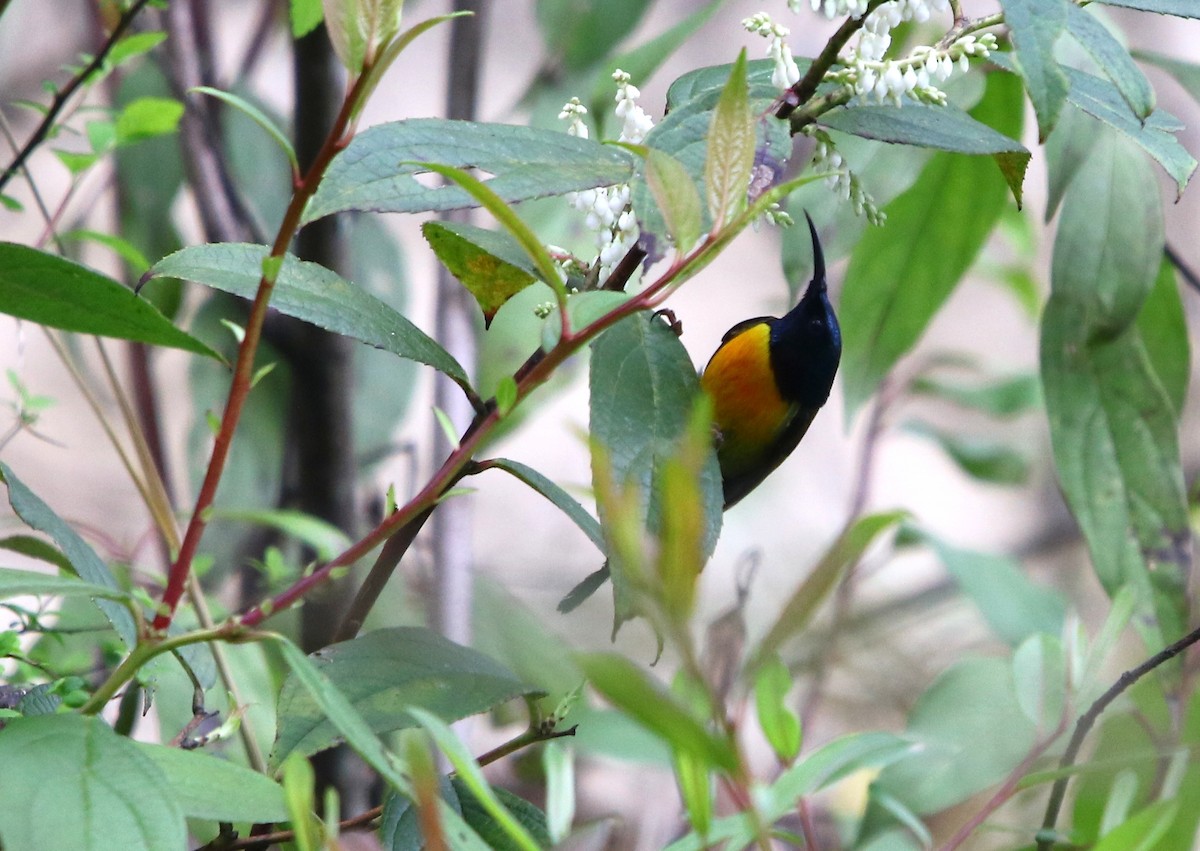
[731, 143]
[843, 554]
[1036, 26]
[52, 291]
[383, 672]
[902, 273]
[257, 116]
[779, 724]
[1179, 8]
[629, 688]
[1163, 327]
[38, 515]
[313, 293]
[377, 169]
[1039, 672]
[1113, 59]
[562, 500]
[676, 197]
[1001, 397]
[1187, 74]
[134, 45]
[146, 118]
[580, 33]
[306, 16]
[14, 583]
[71, 782]
[209, 787]
[1112, 424]
[481, 820]
[982, 458]
[491, 265]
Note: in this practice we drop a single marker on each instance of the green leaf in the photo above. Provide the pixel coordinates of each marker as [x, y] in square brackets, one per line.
[490, 264]
[843, 554]
[643, 387]
[208, 787]
[581, 33]
[1143, 831]
[779, 724]
[313, 293]
[325, 539]
[902, 273]
[696, 790]
[38, 515]
[104, 793]
[471, 776]
[299, 780]
[1067, 150]
[123, 248]
[558, 765]
[630, 689]
[1163, 328]
[1002, 397]
[1101, 99]
[1040, 675]
[28, 545]
[481, 820]
[1112, 424]
[731, 144]
[944, 128]
[382, 673]
[562, 500]
[506, 216]
[52, 291]
[960, 750]
[1036, 26]
[306, 16]
[134, 45]
[256, 115]
[14, 583]
[676, 197]
[1014, 607]
[982, 458]
[146, 118]
[360, 29]
[1179, 8]
[1113, 59]
[377, 169]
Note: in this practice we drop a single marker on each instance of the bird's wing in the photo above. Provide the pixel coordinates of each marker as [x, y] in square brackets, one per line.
[737, 486]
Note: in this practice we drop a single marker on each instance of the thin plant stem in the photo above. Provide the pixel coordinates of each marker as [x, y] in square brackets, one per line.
[64, 94]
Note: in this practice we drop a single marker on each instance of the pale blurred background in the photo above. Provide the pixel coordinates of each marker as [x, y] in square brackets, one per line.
[901, 638]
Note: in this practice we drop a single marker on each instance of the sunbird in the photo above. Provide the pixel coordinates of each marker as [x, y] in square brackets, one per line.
[768, 379]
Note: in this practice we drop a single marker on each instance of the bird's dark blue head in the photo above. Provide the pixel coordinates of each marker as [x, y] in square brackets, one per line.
[806, 344]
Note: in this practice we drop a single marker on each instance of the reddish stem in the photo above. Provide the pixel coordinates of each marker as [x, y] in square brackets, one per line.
[243, 371]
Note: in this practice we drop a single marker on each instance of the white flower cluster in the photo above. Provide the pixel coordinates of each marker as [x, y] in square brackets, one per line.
[845, 183]
[786, 73]
[607, 209]
[834, 8]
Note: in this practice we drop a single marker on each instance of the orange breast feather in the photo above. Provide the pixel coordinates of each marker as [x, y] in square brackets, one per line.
[747, 407]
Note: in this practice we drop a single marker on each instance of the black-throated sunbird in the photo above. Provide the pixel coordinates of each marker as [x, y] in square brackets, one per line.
[767, 380]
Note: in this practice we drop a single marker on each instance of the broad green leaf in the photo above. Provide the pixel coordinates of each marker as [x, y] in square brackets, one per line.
[643, 388]
[1014, 607]
[134, 45]
[38, 515]
[1001, 397]
[313, 293]
[581, 33]
[1067, 150]
[306, 16]
[731, 144]
[52, 291]
[490, 264]
[256, 115]
[1101, 99]
[1040, 676]
[631, 690]
[683, 134]
[779, 724]
[842, 555]
[983, 458]
[325, 539]
[471, 776]
[377, 169]
[562, 500]
[1143, 831]
[382, 673]
[146, 118]
[902, 273]
[1113, 59]
[1179, 8]
[676, 197]
[71, 782]
[208, 787]
[1112, 424]
[1163, 328]
[714, 78]
[481, 820]
[959, 749]
[33, 547]
[1036, 26]
[14, 583]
